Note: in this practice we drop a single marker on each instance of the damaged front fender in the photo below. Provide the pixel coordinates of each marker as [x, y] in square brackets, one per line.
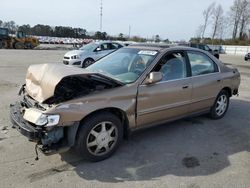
[50, 140]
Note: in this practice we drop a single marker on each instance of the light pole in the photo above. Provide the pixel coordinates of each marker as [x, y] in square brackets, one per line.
[129, 31]
[101, 17]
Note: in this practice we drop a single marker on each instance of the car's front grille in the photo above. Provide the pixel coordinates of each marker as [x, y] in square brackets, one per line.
[65, 57]
[65, 62]
[31, 103]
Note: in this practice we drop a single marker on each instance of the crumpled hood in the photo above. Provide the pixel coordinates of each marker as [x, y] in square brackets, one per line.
[42, 79]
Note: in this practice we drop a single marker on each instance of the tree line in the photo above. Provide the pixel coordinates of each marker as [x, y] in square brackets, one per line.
[232, 27]
[45, 30]
[63, 31]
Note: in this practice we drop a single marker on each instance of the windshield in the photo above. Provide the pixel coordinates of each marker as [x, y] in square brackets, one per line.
[90, 46]
[124, 65]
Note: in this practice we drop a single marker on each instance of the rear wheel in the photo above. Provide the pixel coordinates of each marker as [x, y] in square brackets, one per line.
[99, 136]
[220, 106]
[29, 45]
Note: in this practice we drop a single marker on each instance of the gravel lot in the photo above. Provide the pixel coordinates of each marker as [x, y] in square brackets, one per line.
[191, 153]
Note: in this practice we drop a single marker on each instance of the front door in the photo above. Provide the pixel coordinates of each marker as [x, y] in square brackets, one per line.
[169, 98]
[102, 51]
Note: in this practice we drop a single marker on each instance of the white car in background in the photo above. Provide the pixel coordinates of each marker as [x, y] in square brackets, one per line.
[90, 53]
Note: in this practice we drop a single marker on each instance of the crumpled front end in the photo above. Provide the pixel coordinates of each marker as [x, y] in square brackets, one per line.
[47, 86]
[30, 121]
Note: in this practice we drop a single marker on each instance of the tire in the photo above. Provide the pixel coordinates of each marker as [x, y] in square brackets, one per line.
[217, 56]
[99, 136]
[87, 62]
[3, 45]
[220, 106]
[19, 45]
[29, 45]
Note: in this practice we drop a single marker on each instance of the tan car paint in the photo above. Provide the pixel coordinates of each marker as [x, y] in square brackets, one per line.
[122, 98]
[204, 91]
[163, 100]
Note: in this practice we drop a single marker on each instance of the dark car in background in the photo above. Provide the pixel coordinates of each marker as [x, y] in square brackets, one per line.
[247, 56]
[206, 48]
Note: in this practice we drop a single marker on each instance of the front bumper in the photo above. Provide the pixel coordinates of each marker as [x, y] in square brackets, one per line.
[74, 62]
[31, 132]
[49, 141]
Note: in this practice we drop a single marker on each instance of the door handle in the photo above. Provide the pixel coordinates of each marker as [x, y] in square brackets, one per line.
[185, 87]
[218, 80]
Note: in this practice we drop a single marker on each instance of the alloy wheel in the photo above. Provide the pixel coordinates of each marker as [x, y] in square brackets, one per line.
[102, 138]
[221, 105]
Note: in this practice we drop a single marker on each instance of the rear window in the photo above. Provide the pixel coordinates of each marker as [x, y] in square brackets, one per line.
[201, 64]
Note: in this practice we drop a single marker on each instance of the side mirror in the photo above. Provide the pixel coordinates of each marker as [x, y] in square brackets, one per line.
[98, 49]
[153, 77]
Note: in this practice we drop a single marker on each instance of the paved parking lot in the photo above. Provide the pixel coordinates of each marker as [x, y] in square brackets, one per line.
[191, 153]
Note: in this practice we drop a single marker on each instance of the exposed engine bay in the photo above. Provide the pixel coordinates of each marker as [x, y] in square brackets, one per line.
[74, 86]
[71, 87]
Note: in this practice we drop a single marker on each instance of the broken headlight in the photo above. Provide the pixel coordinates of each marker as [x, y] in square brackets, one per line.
[48, 120]
[42, 120]
[52, 120]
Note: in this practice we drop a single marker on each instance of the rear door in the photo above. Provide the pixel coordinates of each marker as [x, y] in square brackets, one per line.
[168, 98]
[206, 79]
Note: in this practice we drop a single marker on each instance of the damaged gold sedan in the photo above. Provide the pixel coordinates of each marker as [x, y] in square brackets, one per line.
[93, 109]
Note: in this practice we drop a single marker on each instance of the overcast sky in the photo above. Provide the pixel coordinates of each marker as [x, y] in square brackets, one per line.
[173, 19]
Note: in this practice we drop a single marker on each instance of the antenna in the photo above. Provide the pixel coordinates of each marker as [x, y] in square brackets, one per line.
[101, 17]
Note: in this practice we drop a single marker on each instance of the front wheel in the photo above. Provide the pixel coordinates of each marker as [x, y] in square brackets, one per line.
[220, 106]
[19, 45]
[87, 62]
[99, 136]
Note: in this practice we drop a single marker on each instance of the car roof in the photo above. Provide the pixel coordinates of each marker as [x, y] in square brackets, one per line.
[105, 41]
[161, 47]
[145, 46]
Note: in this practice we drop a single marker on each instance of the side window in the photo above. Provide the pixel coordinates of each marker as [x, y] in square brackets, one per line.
[172, 66]
[201, 64]
[105, 46]
[115, 46]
